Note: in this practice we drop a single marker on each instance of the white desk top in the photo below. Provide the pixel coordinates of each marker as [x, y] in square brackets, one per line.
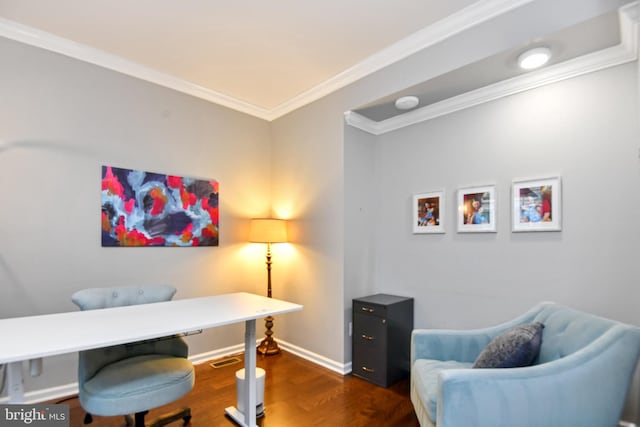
[33, 337]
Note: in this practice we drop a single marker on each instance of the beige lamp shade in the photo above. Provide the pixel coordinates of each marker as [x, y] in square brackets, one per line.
[268, 230]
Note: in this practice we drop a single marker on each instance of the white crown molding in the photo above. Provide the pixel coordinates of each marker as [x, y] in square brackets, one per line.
[456, 23]
[363, 123]
[629, 20]
[31, 36]
[626, 51]
[441, 30]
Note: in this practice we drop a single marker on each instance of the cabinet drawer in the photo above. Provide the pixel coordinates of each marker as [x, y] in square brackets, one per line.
[370, 332]
[368, 308]
[369, 335]
[370, 366]
[369, 343]
[362, 346]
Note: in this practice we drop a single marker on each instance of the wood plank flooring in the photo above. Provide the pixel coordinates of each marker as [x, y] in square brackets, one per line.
[297, 393]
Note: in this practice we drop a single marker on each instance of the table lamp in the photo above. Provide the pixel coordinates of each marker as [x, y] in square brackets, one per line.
[268, 230]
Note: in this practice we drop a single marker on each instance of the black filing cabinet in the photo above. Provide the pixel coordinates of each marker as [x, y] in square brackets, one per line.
[381, 338]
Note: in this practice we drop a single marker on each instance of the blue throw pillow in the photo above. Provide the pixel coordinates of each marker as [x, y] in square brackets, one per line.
[514, 348]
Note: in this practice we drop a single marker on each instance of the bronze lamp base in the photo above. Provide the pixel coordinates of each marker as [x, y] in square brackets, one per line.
[268, 346]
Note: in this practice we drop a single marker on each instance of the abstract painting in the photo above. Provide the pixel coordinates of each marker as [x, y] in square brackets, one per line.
[151, 209]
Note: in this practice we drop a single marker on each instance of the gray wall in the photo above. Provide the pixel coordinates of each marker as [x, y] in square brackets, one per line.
[63, 119]
[361, 202]
[584, 130]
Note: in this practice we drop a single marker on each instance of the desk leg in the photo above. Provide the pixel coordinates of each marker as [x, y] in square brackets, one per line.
[248, 419]
[250, 372]
[16, 383]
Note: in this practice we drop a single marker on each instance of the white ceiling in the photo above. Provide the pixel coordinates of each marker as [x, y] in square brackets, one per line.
[267, 58]
[263, 53]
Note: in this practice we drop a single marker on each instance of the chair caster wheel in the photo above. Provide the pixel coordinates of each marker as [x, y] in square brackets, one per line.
[88, 418]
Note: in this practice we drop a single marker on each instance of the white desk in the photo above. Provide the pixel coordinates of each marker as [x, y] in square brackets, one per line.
[34, 337]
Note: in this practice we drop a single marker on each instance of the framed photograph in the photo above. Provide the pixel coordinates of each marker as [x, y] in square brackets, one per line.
[477, 209]
[536, 205]
[428, 212]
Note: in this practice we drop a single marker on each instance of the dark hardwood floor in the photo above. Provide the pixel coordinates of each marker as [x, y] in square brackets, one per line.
[297, 393]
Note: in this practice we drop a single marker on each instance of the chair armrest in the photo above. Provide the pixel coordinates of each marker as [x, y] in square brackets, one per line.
[586, 388]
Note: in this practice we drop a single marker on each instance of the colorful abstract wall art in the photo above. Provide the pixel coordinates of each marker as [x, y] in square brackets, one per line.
[152, 209]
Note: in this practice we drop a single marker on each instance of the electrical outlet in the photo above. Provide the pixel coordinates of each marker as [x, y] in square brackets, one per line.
[350, 328]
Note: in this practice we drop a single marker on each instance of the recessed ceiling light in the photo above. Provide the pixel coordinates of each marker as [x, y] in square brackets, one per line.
[407, 102]
[534, 58]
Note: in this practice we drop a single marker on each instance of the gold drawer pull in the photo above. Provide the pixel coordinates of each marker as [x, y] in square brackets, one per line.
[368, 309]
[371, 371]
[367, 337]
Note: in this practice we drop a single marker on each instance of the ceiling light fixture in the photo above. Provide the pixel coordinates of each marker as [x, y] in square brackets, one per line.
[534, 58]
[407, 102]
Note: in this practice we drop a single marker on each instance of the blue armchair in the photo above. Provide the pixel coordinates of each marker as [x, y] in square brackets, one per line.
[133, 378]
[580, 378]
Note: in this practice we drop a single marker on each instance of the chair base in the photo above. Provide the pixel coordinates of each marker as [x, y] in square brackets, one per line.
[184, 414]
[138, 419]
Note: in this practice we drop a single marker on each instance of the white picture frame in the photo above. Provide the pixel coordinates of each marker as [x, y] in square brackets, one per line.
[536, 205]
[429, 212]
[477, 209]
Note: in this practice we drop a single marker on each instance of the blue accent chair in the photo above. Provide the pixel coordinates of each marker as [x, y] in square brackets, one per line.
[135, 377]
[581, 377]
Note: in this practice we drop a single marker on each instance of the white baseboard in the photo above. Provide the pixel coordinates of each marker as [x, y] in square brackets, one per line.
[197, 359]
[46, 394]
[59, 392]
[318, 359]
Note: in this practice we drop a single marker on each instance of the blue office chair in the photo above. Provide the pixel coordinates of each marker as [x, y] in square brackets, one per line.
[136, 377]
